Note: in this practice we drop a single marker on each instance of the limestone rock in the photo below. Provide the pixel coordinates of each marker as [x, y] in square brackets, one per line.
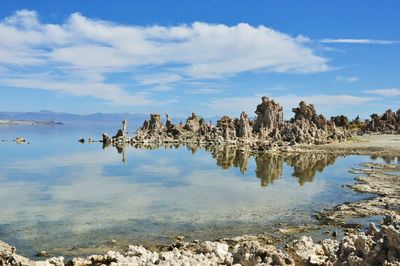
[227, 127]
[269, 116]
[387, 123]
[193, 123]
[268, 131]
[168, 124]
[244, 127]
[106, 138]
[154, 124]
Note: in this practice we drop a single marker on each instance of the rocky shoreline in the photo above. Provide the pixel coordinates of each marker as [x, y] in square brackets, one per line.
[268, 132]
[373, 247]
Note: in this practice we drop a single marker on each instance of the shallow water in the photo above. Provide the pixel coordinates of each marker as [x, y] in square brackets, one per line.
[70, 198]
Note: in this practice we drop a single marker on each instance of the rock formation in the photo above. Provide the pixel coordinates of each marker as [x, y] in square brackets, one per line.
[388, 123]
[267, 131]
[119, 139]
[269, 116]
[193, 123]
[309, 128]
[340, 120]
[244, 129]
[227, 127]
[20, 140]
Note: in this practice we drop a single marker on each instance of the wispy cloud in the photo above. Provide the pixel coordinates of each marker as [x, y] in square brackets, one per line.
[108, 92]
[359, 41]
[89, 52]
[389, 92]
[163, 78]
[205, 91]
[161, 88]
[346, 79]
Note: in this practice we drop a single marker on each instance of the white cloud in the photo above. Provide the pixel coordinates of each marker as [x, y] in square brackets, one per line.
[346, 79]
[161, 88]
[390, 92]
[163, 78]
[93, 50]
[205, 91]
[104, 91]
[359, 41]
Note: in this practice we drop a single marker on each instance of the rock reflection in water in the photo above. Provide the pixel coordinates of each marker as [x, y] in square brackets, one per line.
[306, 165]
[230, 156]
[387, 159]
[269, 167]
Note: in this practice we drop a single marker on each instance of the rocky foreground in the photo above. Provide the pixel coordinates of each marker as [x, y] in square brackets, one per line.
[267, 131]
[374, 247]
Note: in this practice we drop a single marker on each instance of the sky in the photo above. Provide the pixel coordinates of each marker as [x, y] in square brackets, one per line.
[208, 57]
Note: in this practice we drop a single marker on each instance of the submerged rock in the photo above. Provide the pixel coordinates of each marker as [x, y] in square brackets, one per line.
[20, 140]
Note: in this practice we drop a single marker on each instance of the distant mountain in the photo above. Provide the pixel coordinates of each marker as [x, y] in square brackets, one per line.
[68, 118]
[95, 118]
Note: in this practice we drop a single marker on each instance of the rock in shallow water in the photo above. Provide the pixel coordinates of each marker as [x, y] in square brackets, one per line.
[376, 247]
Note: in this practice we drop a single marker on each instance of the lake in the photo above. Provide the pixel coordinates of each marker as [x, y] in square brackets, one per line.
[70, 198]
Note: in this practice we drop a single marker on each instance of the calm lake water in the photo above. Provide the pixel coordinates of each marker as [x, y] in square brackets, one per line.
[70, 198]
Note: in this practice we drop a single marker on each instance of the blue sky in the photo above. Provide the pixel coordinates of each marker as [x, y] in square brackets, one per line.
[211, 57]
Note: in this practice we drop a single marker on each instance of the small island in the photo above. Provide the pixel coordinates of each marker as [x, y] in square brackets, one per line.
[6, 122]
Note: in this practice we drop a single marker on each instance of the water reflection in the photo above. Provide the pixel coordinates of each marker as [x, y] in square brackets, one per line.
[387, 158]
[269, 167]
[305, 166]
[85, 195]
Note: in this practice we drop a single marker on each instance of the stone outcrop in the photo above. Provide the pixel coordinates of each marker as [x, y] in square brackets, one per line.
[307, 127]
[374, 247]
[387, 123]
[269, 117]
[267, 131]
[119, 139]
[244, 129]
[154, 124]
[227, 128]
[193, 123]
